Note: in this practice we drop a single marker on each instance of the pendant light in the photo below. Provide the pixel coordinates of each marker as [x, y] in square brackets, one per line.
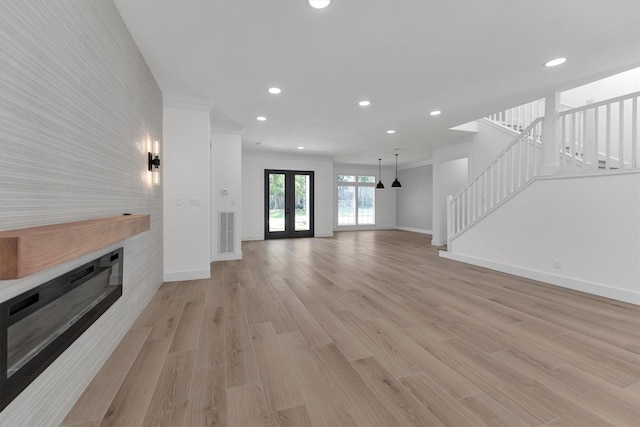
[396, 183]
[380, 185]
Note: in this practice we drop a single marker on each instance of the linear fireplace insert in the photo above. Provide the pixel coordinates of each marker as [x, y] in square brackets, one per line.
[38, 325]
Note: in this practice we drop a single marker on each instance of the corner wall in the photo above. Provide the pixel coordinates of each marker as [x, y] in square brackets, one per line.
[187, 188]
[580, 232]
[226, 188]
[78, 107]
[414, 204]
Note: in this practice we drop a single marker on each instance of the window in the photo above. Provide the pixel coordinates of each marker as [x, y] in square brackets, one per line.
[356, 200]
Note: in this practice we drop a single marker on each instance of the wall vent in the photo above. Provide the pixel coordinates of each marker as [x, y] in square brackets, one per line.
[226, 232]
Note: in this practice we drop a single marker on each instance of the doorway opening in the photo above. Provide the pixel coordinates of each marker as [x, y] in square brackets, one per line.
[288, 204]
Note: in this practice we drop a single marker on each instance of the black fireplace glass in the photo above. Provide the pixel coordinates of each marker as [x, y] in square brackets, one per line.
[38, 325]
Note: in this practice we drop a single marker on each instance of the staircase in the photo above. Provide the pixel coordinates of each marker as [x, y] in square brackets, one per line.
[595, 138]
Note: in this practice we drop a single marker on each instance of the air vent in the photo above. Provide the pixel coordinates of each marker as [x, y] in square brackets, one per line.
[226, 235]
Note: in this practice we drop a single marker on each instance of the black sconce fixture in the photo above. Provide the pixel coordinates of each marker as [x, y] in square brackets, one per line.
[380, 185]
[396, 183]
[154, 163]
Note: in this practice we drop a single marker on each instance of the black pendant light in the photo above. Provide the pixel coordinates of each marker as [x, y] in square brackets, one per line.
[396, 183]
[380, 185]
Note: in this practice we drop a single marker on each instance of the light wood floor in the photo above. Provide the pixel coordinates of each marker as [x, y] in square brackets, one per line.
[368, 329]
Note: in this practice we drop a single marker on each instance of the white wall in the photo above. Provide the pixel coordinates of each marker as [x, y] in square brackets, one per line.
[75, 121]
[589, 224]
[385, 199]
[226, 188]
[253, 166]
[414, 203]
[187, 192]
[600, 90]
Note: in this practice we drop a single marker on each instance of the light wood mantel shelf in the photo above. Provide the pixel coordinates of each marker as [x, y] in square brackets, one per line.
[29, 250]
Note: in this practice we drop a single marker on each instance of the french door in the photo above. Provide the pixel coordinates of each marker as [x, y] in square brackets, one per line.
[288, 204]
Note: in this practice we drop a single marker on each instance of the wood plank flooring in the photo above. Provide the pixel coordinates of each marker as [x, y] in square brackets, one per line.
[368, 328]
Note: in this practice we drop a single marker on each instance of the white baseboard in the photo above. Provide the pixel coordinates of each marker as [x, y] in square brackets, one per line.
[250, 238]
[565, 282]
[330, 234]
[178, 276]
[414, 230]
[363, 227]
[226, 257]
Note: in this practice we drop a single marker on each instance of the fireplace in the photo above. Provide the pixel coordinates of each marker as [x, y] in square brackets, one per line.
[38, 325]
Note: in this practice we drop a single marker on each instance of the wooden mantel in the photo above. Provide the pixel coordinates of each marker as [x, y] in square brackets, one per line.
[29, 250]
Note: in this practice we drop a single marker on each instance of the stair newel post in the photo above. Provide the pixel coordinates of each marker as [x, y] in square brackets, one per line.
[552, 136]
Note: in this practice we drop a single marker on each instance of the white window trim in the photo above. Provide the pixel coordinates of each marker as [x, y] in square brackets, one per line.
[355, 184]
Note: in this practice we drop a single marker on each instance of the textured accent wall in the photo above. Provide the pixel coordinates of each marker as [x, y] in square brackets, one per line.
[78, 106]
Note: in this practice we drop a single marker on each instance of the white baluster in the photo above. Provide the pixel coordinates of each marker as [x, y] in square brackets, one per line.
[596, 138]
[581, 131]
[467, 208]
[486, 193]
[450, 217]
[634, 133]
[563, 154]
[576, 142]
[608, 139]
[500, 179]
[621, 134]
[492, 177]
[519, 161]
[475, 200]
[526, 154]
[459, 208]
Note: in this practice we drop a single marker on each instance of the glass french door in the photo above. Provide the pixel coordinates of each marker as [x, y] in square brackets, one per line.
[288, 204]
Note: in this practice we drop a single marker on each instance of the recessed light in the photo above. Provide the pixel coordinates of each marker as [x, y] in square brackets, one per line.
[261, 118]
[275, 90]
[319, 4]
[364, 103]
[555, 62]
[300, 148]
[435, 113]
[390, 131]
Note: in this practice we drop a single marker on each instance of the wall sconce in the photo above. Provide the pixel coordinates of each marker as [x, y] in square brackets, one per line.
[154, 163]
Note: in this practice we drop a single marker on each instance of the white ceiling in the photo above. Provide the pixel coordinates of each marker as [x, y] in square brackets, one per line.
[467, 58]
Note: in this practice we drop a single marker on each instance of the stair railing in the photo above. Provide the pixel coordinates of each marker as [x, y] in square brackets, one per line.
[518, 163]
[603, 135]
[518, 118]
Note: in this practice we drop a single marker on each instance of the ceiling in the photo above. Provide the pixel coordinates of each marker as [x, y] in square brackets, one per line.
[408, 57]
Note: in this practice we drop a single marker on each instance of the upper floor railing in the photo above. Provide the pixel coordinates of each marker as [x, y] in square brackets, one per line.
[603, 135]
[518, 118]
